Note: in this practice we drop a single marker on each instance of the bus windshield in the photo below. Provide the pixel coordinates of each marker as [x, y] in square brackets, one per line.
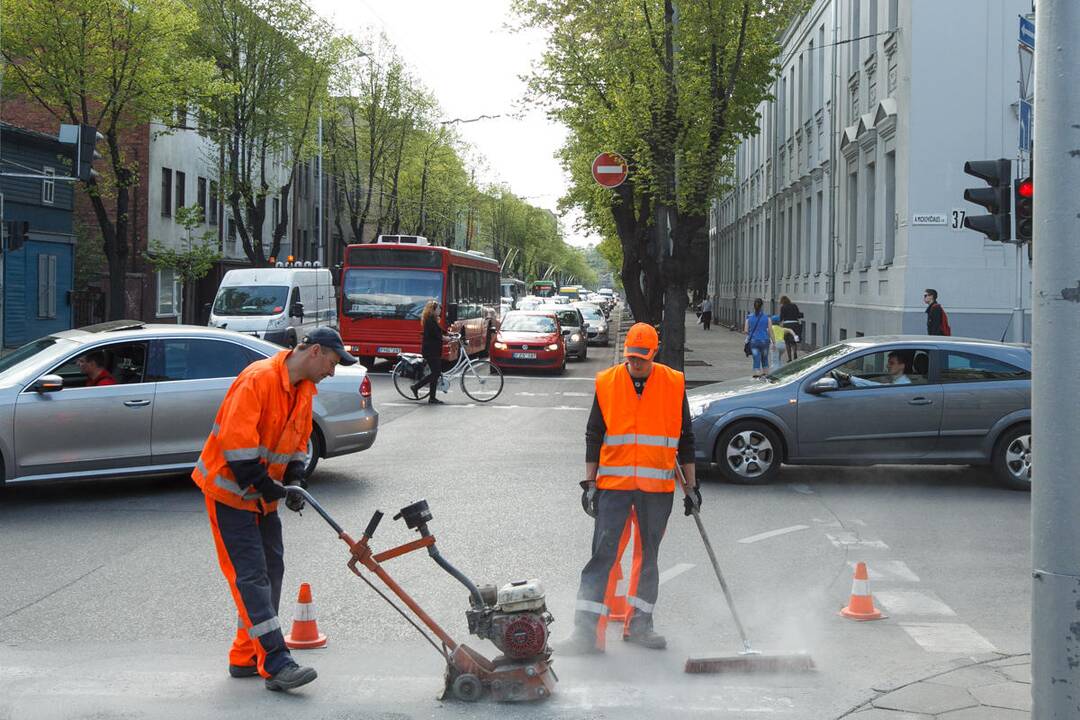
[251, 300]
[389, 294]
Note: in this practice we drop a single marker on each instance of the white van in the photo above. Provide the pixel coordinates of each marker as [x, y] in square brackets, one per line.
[276, 304]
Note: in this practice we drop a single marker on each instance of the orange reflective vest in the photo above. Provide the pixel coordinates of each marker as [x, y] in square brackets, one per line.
[263, 416]
[642, 438]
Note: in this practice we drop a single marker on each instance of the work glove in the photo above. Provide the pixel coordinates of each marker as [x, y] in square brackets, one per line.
[294, 475]
[692, 500]
[588, 498]
[269, 489]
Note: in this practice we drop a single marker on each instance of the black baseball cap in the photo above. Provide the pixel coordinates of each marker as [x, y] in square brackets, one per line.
[329, 338]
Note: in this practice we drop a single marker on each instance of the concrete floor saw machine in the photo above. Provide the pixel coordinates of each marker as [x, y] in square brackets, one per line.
[514, 617]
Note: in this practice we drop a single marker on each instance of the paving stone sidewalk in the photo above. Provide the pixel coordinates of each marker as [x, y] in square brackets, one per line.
[992, 690]
[714, 355]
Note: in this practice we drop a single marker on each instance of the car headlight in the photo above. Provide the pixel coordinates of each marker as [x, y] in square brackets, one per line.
[553, 346]
[500, 346]
[697, 410]
[575, 338]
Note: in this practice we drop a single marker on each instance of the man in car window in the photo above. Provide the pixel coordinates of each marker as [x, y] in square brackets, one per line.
[92, 365]
[257, 446]
[897, 368]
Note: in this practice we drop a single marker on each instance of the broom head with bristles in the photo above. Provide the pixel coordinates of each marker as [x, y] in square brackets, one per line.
[750, 662]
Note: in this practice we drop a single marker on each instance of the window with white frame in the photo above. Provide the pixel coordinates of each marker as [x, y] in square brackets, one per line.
[168, 293]
[48, 186]
[46, 286]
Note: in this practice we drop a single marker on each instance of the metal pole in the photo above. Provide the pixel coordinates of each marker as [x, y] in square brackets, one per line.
[1018, 306]
[834, 186]
[1055, 501]
[319, 244]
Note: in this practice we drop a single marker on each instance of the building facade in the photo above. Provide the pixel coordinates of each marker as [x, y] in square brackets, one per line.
[37, 264]
[844, 200]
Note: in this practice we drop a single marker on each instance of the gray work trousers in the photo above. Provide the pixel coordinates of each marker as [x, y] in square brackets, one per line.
[613, 508]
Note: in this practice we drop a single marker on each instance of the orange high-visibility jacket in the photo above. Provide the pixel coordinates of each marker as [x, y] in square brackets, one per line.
[263, 416]
[642, 438]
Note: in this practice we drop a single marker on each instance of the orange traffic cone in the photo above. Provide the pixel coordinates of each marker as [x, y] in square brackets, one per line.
[305, 630]
[861, 604]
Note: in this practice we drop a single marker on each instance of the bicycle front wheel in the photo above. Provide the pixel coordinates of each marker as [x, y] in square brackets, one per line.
[482, 381]
[403, 384]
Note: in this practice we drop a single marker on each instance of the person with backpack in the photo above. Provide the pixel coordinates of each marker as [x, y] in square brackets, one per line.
[937, 322]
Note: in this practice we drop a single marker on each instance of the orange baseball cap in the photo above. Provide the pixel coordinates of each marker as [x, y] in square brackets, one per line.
[641, 341]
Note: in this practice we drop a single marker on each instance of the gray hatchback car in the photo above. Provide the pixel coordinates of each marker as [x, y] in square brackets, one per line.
[874, 401]
[170, 381]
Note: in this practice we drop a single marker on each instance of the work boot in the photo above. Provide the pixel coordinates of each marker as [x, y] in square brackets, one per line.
[580, 643]
[290, 677]
[243, 671]
[647, 638]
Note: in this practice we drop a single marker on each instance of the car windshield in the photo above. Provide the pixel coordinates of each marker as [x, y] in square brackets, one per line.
[567, 318]
[37, 348]
[390, 294]
[808, 363]
[529, 323]
[591, 314]
[251, 300]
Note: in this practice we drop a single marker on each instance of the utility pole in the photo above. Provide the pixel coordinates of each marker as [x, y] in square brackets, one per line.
[1055, 498]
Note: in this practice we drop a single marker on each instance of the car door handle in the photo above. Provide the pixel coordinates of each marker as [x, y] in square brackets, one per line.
[920, 401]
[136, 403]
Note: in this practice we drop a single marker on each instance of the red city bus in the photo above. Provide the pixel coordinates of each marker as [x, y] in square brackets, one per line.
[385, 285]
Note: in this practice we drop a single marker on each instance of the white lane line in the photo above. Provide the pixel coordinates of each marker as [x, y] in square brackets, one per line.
[958, 638]
[476, 405]
[675, 571]
[773, 533]
[913, 602]
[802, 489]
[893, 570]
[850, 540]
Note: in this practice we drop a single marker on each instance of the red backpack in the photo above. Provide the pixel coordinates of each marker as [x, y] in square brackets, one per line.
[945, 329]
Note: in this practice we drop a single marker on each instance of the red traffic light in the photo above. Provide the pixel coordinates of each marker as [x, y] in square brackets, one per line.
[1026, 188]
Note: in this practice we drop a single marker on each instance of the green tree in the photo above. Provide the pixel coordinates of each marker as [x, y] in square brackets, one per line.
[672, 86]
[115, 65]
[192, 262]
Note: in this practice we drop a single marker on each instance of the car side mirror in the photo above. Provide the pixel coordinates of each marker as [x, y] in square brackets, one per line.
[297, 310]
[823, 385]
[48, 384]
[452, 313]
[584, 326]
[566, 331]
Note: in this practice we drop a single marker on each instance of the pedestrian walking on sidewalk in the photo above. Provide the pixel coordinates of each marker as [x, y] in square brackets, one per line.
[257, 446]
[779, 339]
[431, 348]
[791, 319]
[706, 312]
[638, 429]
[937, 322]
[758, 329]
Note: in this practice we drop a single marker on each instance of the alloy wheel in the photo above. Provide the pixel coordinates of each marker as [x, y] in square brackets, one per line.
[1018, 458]
[749, 454]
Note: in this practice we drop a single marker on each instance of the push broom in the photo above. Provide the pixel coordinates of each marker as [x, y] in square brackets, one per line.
[748, 659]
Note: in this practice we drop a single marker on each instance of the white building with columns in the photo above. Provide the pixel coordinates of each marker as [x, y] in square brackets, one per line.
[844, 199]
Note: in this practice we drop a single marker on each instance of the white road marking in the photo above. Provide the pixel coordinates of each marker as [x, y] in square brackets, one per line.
[773, 533]
[576, 394]
[957, 638]
[850, 540]
[675, 571]
[449, 404]
[839, 524]
[802, 489]
[530, 394]
[892, 570]
[913, 602]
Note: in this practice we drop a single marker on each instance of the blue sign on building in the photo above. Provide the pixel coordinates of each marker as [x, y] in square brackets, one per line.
[1027, 33]
[1025, 125]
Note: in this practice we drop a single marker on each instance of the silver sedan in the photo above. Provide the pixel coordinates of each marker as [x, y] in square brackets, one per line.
[170, 381]
[874, 401]
[598, 332]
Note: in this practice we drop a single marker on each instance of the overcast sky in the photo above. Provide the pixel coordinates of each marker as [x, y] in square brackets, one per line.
[464, 53]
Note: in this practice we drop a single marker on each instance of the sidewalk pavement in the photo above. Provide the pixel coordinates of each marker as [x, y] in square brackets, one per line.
[714, 355]
[990, 690]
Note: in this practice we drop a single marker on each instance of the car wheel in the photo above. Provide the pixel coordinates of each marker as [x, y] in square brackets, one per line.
[1012, 458]
[315, 449]
[748, 453]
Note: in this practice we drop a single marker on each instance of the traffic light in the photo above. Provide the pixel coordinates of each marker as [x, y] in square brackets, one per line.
[86, 152]
[998, 175]
[1024, 196]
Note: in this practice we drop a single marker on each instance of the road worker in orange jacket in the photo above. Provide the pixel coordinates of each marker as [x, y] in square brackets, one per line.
[638, 429]
[257, 446]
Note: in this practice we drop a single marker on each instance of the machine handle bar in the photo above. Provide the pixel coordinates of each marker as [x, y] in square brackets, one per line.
[297, 490]
[369, 532]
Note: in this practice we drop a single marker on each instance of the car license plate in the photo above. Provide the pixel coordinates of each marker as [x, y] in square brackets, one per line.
[389, 350]
[524, 356]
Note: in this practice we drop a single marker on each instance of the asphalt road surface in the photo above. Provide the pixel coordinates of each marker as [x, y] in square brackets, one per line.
[112, 604]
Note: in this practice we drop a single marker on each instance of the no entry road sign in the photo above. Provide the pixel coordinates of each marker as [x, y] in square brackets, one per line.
[609, 169]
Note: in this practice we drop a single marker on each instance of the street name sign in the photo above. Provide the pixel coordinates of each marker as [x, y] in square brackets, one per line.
[929, 219]
[609, 169]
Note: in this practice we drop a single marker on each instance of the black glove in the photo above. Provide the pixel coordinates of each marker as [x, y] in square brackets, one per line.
[692, 501]
[294, 475]
[588, 498]
[269, 489]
